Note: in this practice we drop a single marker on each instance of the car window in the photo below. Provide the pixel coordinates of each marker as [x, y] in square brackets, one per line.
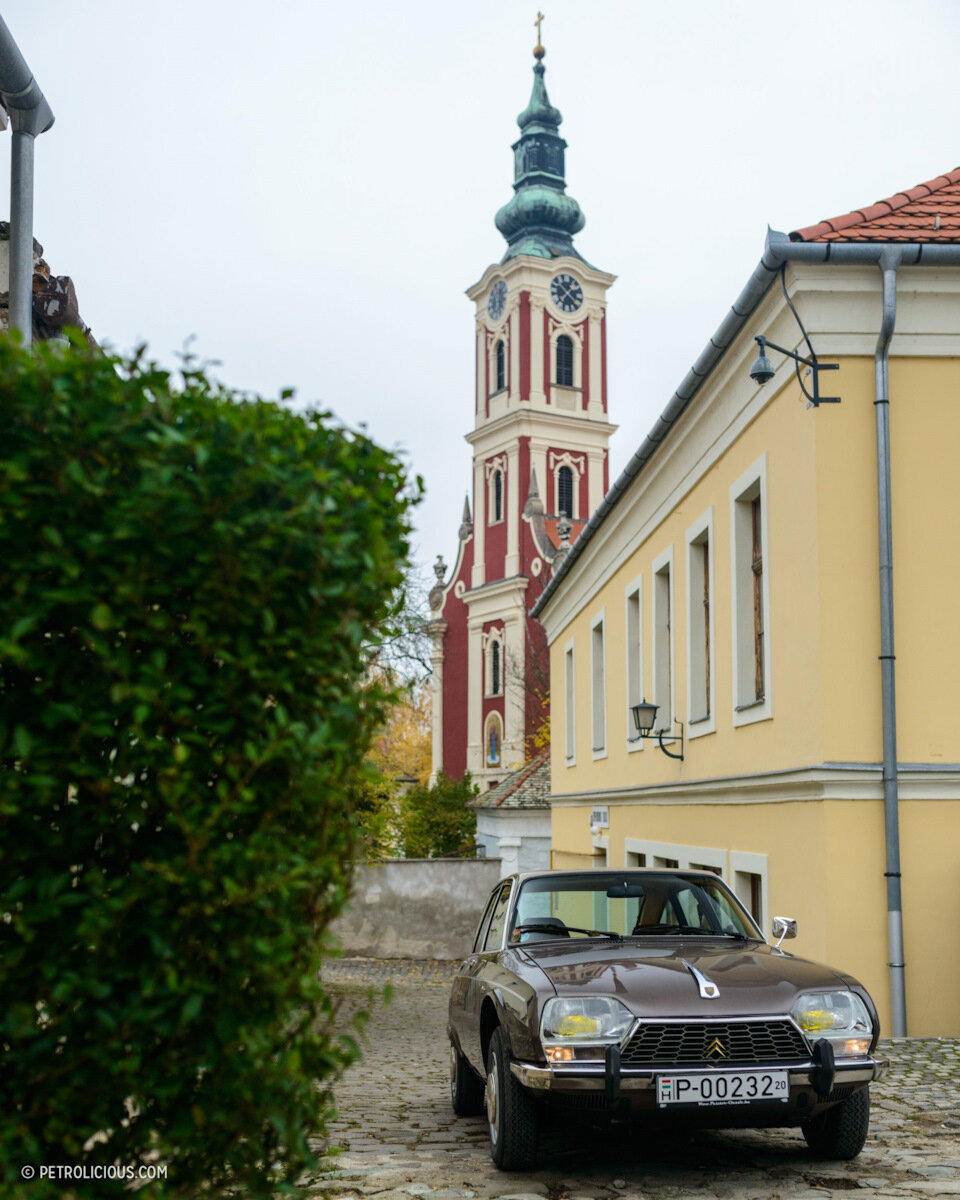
[495, 933]
[561, 905]
[485, 920]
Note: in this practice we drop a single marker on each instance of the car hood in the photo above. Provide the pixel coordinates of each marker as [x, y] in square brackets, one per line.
[751, 978]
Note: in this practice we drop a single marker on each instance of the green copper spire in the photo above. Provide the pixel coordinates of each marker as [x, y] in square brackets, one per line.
[540, 219]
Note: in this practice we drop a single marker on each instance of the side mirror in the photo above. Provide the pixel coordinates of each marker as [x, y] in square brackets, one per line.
[784, 927]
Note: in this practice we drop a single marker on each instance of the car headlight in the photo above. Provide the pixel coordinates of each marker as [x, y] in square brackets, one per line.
[840, 1017]
[572, 1025]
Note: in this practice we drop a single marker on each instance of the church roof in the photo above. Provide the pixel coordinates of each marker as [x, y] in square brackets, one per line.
[541, 218]
[528, 787]
[929, 212]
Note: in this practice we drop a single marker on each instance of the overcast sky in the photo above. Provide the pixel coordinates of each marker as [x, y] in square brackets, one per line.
[306, 188]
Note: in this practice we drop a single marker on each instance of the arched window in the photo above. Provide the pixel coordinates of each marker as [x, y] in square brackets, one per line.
[501, 367]
[565, 492]
[564, 361]
[495, 669]
[493, 740]
[498, 495]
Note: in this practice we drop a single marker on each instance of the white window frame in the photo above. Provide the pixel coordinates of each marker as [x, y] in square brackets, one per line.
[495, 635]
[634, 664]
[708, 856]
[490, 468]
[664, 719]
[742, 862]
[570, 705]
[598, 685]
[752, 483]
[701, 530]
[500, 335]
[576, 336]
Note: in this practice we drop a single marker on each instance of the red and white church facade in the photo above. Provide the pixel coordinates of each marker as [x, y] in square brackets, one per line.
[540, 463]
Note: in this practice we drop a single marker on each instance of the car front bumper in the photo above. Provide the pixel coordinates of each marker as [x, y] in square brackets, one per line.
[596, 1078]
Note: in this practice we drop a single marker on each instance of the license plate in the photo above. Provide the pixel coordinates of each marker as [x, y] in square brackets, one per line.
[723, 1087]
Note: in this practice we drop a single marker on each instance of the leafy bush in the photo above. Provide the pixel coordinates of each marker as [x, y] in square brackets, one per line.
[190, 579]
[435, 820]
[376, 806]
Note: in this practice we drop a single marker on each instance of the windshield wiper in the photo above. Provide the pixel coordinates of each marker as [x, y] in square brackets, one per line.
[643, 930]
[536, 927]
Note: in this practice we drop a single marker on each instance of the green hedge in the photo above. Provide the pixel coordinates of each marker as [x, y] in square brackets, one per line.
[189, 580]
[435, 820]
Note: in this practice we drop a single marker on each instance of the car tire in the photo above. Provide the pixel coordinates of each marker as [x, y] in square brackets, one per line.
[840, 1132]
[513, 1116]
[466, 1087]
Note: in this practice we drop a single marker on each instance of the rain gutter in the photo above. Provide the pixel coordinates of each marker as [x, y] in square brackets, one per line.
[30, 115]
[888, 256]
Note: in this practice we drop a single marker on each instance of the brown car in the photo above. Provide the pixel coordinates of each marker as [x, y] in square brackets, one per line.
[652, 995]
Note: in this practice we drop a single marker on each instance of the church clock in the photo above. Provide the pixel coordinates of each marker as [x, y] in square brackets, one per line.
[567, 294]
[498, 300]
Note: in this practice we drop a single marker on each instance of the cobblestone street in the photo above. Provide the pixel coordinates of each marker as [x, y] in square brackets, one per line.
[396, 1136]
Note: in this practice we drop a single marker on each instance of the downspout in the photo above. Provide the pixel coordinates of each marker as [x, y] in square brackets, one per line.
[30, 114]
[889, 262]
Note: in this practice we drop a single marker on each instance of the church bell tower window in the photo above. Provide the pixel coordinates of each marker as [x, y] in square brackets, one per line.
[564, 361]
[501, 366]
[497, 495]
[565, 492]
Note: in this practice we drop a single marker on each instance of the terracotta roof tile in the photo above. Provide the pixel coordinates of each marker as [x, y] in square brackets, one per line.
[929, 212]
[527, 787]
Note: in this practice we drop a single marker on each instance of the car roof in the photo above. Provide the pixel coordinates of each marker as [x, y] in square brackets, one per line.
[613, 872]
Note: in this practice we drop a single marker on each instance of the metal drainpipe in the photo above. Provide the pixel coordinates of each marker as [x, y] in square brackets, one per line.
[30, 114]
[889, 262]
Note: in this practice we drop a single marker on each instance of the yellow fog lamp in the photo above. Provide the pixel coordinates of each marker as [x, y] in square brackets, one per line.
[840, 1017]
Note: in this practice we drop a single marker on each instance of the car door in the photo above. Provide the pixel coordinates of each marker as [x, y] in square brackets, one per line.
[470, 976]
[466, 971]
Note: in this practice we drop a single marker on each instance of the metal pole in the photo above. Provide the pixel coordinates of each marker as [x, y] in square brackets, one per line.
[898, 1004]
[21, 234]
[30, 114]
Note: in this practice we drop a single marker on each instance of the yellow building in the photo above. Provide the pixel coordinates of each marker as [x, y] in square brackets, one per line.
[753, 572]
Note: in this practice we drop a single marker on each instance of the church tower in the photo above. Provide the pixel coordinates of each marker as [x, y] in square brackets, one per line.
[540, 461]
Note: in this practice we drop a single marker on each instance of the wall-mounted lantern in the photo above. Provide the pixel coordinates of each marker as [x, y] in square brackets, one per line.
[644, 717]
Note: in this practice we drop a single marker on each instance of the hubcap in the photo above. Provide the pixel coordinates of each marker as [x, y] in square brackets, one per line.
[492, 1099]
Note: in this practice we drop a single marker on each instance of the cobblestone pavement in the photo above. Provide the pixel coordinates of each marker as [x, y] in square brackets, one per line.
[396, 1136]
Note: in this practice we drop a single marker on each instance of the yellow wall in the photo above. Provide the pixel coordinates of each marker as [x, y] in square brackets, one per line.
[825, 868]
[825, 855]
[786, 433]
[925, 433]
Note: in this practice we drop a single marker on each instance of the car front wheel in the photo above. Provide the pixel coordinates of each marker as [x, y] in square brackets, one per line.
[840, 1132]
[466, 1088]
[512, 1114]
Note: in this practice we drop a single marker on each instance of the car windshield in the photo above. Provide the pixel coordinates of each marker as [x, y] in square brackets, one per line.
[628, 904]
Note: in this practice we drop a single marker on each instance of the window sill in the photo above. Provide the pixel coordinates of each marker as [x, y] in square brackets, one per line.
[702, 720]
[753, 704]
[566, 387]
[498, 392]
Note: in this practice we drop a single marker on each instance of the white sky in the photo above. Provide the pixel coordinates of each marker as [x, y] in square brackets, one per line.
[308, 187]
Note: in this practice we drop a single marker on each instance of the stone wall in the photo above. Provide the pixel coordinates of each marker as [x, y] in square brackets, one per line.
[416, 907]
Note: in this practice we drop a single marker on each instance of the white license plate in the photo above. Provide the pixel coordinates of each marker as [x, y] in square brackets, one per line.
[723, 1087]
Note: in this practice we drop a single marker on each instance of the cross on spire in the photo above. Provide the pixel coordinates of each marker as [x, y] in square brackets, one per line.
[538, 51]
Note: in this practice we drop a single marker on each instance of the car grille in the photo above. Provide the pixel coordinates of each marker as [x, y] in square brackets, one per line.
[701, 1043]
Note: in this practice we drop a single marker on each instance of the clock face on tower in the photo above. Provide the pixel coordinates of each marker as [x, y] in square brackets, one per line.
[498, 300]
[566, 292]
